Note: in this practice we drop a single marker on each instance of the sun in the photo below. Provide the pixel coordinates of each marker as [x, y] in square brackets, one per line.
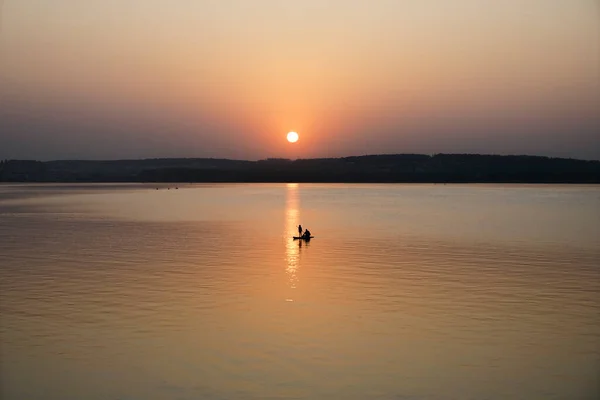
[292, 137]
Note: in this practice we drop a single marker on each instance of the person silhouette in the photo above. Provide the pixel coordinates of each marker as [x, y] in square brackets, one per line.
[299, 230]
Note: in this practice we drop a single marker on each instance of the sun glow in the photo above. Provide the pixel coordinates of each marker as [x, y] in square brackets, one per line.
[292, 137]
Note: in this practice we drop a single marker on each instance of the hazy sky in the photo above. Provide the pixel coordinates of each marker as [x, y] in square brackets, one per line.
[229, 78]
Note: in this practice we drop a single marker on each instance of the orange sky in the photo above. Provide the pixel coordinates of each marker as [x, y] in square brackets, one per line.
[229, 78]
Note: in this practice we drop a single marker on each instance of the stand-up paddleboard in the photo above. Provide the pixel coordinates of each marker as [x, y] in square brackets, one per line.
[302, 238]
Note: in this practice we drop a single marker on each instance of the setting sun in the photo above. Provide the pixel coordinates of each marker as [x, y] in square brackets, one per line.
[292, 137]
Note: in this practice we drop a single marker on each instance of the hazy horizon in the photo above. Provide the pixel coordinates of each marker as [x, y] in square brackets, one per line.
[228, 79]
[282, 158]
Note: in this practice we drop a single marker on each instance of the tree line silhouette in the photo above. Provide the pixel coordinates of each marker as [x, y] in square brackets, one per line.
[438, 168]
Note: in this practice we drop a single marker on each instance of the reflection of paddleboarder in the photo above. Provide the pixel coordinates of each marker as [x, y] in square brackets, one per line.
[299, 230]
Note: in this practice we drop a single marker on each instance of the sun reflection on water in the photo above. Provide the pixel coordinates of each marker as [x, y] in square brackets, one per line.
[292, 247]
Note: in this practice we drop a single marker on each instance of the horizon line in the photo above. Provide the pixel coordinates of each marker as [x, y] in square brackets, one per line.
[295, 159]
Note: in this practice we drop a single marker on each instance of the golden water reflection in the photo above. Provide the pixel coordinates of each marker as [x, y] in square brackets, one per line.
[418, 305]
[292, 247]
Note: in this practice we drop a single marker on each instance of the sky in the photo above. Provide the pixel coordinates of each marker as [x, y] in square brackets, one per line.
[114, 79]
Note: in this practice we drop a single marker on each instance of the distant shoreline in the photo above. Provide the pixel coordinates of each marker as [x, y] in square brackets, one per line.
[394, 168]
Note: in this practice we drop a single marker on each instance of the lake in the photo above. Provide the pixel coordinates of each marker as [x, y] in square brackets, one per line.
[199, 292]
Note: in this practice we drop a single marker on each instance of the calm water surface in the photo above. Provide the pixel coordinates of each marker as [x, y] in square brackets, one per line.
[406, 292]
